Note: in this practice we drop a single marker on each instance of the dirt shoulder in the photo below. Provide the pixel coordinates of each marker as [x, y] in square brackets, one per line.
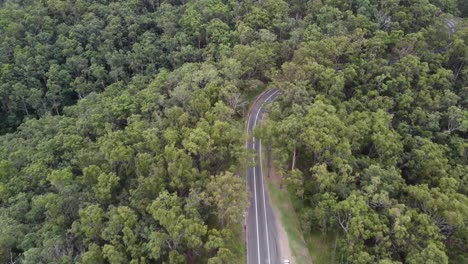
[292, 243]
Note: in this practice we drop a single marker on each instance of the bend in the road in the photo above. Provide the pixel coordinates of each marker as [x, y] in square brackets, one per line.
[262, 238]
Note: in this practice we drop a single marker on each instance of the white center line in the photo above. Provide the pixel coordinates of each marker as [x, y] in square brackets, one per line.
[255, 192]
[264, 205]
[263, 188]
[256, 207]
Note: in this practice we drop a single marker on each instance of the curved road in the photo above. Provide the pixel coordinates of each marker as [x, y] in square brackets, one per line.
[451, 23]
[262, 244]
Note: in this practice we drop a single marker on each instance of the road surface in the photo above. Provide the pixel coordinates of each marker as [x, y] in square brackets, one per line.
[262, 233]
[451, 23]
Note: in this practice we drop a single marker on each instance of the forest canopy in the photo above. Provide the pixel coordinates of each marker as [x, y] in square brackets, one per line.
[122, 133]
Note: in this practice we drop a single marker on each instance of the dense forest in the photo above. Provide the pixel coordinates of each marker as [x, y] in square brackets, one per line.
[122, 133]
[371, 132]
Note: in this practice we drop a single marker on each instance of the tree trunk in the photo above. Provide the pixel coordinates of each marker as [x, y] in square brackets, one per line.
[294, 160]
[25, 108]
[44, 106]
[458, 70]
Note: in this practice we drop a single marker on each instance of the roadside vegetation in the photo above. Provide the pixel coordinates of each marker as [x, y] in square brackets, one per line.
[322, 247]
[289, 221]
[369, 142]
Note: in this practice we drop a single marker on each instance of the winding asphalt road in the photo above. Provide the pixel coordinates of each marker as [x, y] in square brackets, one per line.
[262, 233]
[451, 23]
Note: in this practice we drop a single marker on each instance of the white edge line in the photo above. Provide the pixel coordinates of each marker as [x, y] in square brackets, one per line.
[256, 207]
[264, 204]
[255, 187]
[263, 187]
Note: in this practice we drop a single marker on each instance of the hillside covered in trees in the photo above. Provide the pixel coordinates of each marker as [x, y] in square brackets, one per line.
[122, 133]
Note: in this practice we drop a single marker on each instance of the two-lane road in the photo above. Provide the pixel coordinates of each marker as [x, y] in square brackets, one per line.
[451, 24]
[262, 244]
[262, 233]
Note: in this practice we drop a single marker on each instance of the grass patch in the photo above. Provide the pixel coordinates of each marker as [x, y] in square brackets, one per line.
[250, 95]
[321, 247]
[297, 244]
[237, 245]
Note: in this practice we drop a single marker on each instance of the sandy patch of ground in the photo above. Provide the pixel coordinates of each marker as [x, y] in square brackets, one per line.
[273, 175]
[299, 245]
[285, 250]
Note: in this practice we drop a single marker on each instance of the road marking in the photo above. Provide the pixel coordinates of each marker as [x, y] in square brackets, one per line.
[263, 187]
[255, 189]
[248, 122]
[256, 206]
[264, 205]
[254, 177]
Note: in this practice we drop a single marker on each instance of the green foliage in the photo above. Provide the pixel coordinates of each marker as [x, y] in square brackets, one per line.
[364, 133]
[121, 130]
[125, 182]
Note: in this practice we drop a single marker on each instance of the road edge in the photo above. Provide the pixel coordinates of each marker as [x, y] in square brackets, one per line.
[245, 213]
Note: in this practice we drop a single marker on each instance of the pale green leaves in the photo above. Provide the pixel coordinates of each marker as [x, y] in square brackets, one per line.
[228, 194]
[179, 230]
